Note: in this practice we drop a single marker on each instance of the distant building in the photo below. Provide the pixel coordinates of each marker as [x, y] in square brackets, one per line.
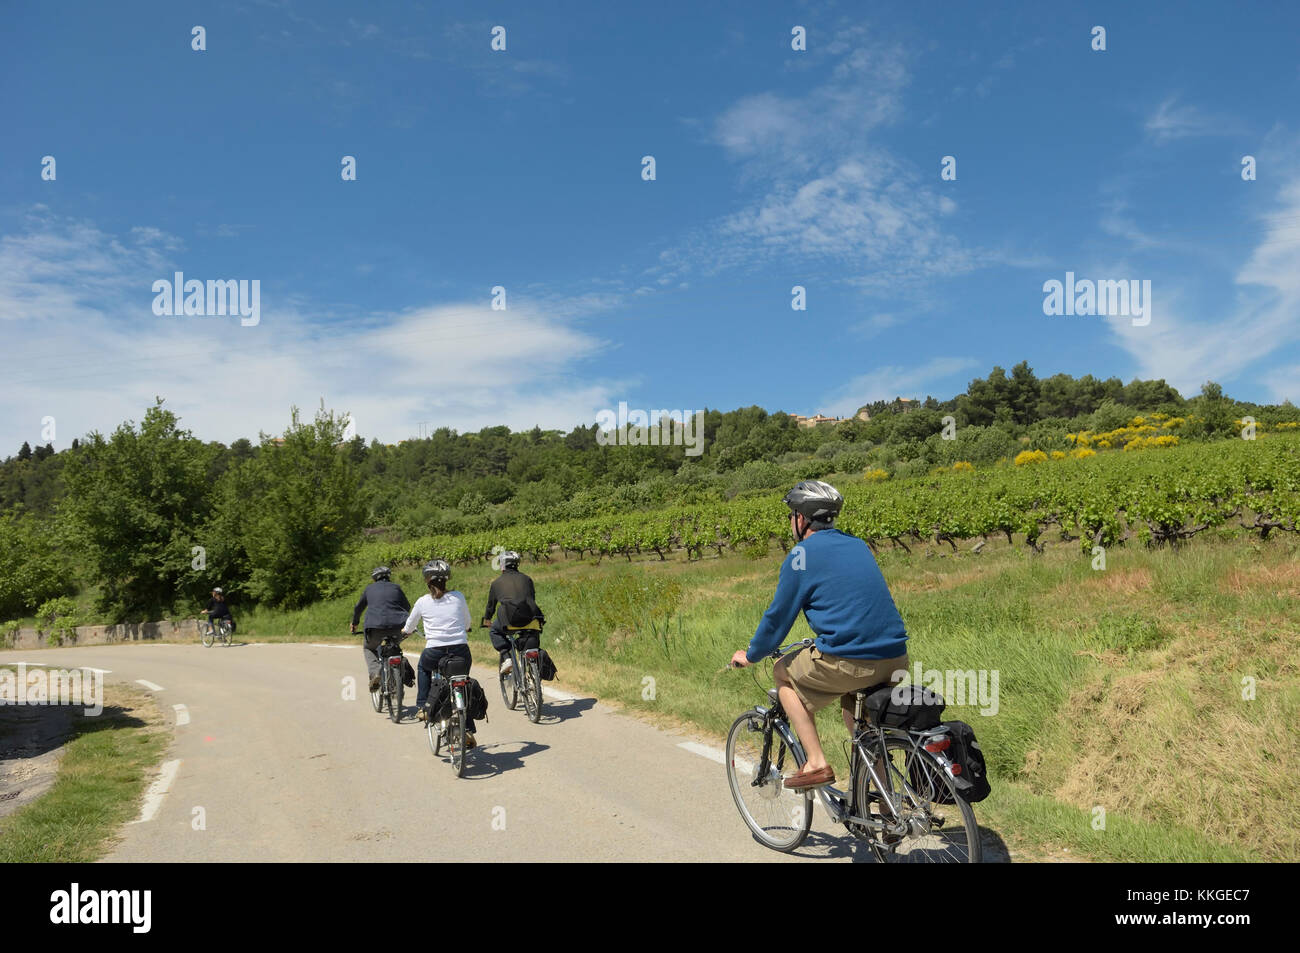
[816, 419]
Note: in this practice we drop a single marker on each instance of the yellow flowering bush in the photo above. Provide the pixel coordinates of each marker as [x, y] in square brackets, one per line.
[1058, 454]
[963, 466]
[1030, 456]
[1082, 453]
[876, 474]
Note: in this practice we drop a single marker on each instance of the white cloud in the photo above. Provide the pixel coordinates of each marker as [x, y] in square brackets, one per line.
[1171, 121]
[1187, 351]
[886, 383]
[84, 346]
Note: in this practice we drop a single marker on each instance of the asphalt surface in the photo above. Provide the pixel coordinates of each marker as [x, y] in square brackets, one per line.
[276, 765]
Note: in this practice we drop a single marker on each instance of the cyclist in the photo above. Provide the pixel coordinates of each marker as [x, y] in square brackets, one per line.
[514, 601]
[446, 631]
[833, 579]
[386, 608]
[219, 609]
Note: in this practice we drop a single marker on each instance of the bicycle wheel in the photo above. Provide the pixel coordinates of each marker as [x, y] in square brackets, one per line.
[456, 742]
[377, 696]
[778, 817]
[938, 833]
[533, 691]
[399, 690]
[225, 634]
[207, 635]
[435, 739]
[509, 690]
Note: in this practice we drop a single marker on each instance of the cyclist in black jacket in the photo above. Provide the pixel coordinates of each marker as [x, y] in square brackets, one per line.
[386, 608]
[219, 609]
[514, 601]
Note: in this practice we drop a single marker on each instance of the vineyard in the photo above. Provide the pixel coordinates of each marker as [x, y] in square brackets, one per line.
[1156, 497]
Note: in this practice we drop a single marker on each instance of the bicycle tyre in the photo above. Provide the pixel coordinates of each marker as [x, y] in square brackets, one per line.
[457, 743]
[207, 635]
[509, 688]
[794, 810]
[533, 691]
[377, 696]
[435, 739]
[399, 689]
[927, 847]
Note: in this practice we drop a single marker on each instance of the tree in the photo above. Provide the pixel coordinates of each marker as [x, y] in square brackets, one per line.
[133, 503]
[297, 506]
[25, 453]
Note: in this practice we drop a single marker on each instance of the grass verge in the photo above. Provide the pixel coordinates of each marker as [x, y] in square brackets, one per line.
[101, 777]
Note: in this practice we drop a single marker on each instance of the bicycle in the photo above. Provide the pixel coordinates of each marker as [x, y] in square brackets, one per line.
[918, 800]
[525, 676]
[210, 632]
[452, 729]
[391, 687]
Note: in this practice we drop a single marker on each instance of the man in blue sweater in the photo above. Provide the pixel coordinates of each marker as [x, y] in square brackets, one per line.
[833, 579]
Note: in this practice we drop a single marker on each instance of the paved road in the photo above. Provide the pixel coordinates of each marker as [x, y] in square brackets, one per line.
[285, 769]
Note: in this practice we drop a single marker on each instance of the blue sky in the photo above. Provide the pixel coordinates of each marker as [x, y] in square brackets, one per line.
[522, 168]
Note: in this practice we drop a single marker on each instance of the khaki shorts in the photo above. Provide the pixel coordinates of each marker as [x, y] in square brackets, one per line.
[819, 679]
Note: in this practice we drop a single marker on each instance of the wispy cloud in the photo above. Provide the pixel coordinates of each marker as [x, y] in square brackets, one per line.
[888, 382]
[75, 306]
[1171, 121]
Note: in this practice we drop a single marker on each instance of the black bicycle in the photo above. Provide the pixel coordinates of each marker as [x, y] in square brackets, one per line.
[904, 799]
[525, 676]
[449, 725]
[391, 686]
[211, 631]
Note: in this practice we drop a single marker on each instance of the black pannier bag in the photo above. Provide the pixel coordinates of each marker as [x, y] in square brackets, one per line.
[453, 665]
[905, 706]
[965, 751]
[439, 701]
[476, 701]
[547, 667]
[408, 673]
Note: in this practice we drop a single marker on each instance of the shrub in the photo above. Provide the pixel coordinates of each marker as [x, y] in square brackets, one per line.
[1025, 457]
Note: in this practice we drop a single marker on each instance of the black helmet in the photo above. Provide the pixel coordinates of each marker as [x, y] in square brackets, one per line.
[816, 501]
[379, 572]
[510, 560]
[436, 569]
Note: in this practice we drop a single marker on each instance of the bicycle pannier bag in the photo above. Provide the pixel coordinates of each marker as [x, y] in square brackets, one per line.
[408, 673]
[965, 751]
[476, 702]
[439, 701]
[453, 665]
[905, 706]
[547, 667]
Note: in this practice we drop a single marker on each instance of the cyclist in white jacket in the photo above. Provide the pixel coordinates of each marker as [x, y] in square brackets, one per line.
[445, 615]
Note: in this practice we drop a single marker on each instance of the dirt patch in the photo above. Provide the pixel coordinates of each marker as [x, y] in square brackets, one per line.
[1280, 580]
[926, 581]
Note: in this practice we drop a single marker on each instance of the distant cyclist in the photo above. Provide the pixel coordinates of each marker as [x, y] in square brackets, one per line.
[833, 579]
[446, 631]
[514, 601]
[386, 608]
[219, 609]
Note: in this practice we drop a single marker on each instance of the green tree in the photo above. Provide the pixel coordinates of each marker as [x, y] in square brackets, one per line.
[295, 504]
[133, 502]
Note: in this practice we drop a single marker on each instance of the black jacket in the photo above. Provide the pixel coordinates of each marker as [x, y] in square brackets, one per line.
[513, 591]
[385, 605]
[218, 608]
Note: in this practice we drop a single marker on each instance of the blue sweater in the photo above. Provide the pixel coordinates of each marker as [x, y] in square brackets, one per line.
[834, 580]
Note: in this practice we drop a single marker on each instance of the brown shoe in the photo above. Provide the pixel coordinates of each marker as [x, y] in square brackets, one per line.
[811, 779]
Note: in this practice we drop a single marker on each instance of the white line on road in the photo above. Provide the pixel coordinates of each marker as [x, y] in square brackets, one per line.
[149, 685]
[713, 754]
[182, 714]
[153, 797]
[322, 645]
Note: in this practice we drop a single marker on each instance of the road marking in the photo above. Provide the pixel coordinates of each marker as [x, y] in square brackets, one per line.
[182, 714]
[149, 685]
[713, 754]
[322, 645]
[28, 664]
[153, 797]
[556, 695]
